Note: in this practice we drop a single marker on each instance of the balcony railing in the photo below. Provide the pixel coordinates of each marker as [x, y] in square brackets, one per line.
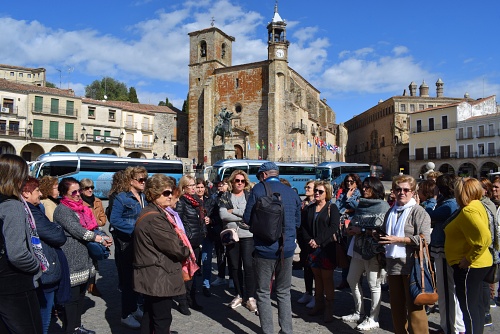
[54, 136]
[464, 136]
[438, 156]
[104, 140]
[73, 113]
[131, 125]
[481, 134]
[6, 111]
[138, 145]
[146, 127]
[456, 155]
[13, 133]
[425, 128]
[299, 127]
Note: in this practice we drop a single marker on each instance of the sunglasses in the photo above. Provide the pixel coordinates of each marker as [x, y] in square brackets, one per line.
[167, 193]
[405, 190]
[76, 192]
[365, 186]
[308, 187]
[239, 181]
[319, 191]
[350, 181]
[141, 180]
[87, 188]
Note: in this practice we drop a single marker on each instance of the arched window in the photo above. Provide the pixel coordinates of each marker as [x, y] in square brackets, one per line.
[223, 52]
[203, 48]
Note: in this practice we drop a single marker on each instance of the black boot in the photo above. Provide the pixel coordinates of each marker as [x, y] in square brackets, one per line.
[183, 307]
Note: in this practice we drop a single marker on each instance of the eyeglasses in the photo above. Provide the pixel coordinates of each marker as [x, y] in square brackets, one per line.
[319, 191]
[308, 187]
[167, 193]
[365, 186]
[141, 180]
[350, 181]
[75, 192]
[191, 185]
[405, 190]
[222, 184]
[239, 181]
[87, 188]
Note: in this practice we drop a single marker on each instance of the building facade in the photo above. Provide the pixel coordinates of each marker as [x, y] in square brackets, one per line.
[276, 113]
[461, 138]
[36, 119]
[380, 135]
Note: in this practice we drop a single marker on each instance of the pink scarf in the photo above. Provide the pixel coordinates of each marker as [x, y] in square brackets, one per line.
[189, 266]
[87, 219]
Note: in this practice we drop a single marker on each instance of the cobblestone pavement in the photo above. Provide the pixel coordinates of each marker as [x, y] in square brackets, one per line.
[102, 314]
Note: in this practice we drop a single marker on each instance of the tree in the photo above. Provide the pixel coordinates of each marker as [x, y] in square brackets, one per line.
[166, 103]
[113, 89]
[132, 95]
[185, 106]
[50, 85]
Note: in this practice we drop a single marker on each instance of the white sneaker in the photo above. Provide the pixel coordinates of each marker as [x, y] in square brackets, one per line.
[131, 322]
[218, 281]
[231, 284]
[306, 298]
[351, 317]
[311, 303]
[367, 324]
[236, 302]
[138, 314]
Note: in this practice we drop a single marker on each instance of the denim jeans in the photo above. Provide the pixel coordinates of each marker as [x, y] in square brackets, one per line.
[206, 260]
[21, 313]
[46, 300]
[264, 269]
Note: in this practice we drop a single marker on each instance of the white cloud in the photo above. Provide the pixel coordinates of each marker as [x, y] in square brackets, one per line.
[477, 88]
[400, 50]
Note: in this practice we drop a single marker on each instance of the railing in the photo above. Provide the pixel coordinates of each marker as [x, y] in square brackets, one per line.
[439, 126]
[55, 136]
[13, 132]
[105, 140]
[5, 111]
[464, 136]
[442, 155]
[131, 125]
[73, 113]
[146, 127]
[481, 134]
[140, 145]
[299, 127]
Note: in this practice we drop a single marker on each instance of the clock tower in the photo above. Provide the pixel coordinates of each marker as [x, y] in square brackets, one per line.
[276, 39]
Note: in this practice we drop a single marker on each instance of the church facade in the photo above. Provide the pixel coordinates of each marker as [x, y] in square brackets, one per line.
[276, 113]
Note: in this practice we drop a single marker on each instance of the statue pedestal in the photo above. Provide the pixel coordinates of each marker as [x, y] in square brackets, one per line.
[220, 152]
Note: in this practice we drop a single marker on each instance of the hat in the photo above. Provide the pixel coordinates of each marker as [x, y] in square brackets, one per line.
[266, 167]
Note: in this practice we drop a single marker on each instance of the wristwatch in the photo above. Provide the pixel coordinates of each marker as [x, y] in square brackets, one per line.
[363, 230]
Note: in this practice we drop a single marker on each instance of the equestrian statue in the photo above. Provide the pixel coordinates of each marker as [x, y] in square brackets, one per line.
[223, 126]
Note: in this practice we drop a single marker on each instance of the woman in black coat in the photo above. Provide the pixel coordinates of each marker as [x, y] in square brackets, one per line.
[320, 222]
[191, 211]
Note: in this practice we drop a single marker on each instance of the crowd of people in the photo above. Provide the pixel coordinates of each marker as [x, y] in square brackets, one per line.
[165, 233]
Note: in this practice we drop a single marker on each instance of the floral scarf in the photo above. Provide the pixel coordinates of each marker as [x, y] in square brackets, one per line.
[35, 239]
[189, 266]
[196, 203]
[87, 219]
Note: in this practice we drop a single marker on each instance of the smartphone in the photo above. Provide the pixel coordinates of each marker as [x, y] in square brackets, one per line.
[381, 232]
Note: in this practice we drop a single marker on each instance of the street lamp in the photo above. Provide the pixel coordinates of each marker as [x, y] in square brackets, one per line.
[83, 133]
[30, 132]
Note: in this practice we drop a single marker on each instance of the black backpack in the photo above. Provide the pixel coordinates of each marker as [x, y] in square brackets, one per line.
[267, 216]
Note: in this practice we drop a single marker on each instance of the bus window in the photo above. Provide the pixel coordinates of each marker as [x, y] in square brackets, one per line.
[58, 168]
[253, 170]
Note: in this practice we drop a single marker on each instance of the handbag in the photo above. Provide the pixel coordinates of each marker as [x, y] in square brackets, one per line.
[229, 236]
[98, 251]
[493, 275]
[340, 241]
[422, 279]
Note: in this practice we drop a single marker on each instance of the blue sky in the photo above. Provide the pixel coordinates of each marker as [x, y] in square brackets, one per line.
[355, 52]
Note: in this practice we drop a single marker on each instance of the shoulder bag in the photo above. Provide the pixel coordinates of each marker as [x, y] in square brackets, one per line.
[422, 279]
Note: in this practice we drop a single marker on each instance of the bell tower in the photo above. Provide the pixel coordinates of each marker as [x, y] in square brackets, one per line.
[276, 37]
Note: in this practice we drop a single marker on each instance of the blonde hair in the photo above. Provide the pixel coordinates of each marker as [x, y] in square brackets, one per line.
[84, 183]
[242, 173]
[184, 182]
[468, 190]
[402, 179]
[328, 188]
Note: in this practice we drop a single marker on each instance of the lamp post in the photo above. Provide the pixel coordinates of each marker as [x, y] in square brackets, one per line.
[30, 131]
[83, 133]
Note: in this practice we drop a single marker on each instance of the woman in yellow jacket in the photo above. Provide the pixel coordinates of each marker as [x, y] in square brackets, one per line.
[466, 247]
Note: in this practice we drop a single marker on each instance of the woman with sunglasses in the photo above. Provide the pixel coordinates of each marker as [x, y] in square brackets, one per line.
[307, 298]
[127, 206]
[191, 211]
[240, 253]
[160, 250]
[320, 221]
[403, 224]
[347, 203]
[95, 204]
[365, 252]
[79, 224]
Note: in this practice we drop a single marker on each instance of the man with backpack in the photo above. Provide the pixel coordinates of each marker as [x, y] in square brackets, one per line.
[273, 256]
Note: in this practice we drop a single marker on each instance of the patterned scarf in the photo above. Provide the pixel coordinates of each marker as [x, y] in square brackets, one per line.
[35, 239]
[87, 219]
[196, 203]
[189, 266]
